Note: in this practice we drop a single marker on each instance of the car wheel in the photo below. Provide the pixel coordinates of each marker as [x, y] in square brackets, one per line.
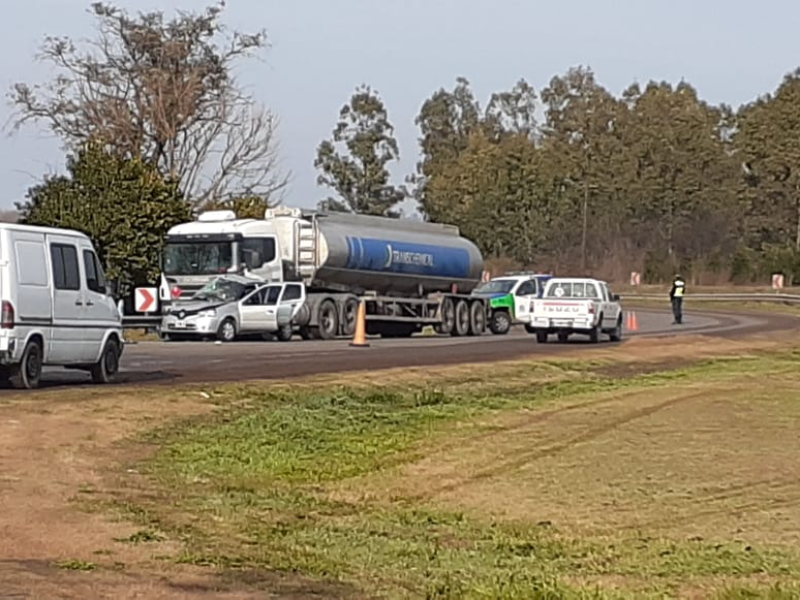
[284, 334]
[108, 366]
[227, 331]
[500, 323]
[28, 372]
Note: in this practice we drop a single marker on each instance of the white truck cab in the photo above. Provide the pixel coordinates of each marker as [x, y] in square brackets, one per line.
[576, 305]
[54, 306]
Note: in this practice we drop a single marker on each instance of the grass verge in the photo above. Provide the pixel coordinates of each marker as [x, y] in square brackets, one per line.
[546, 480]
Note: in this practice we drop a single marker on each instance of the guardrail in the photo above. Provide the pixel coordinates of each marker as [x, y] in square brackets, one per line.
[722, 297]
[140, 321]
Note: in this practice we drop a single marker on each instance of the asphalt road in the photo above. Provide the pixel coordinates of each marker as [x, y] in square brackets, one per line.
[207, 362]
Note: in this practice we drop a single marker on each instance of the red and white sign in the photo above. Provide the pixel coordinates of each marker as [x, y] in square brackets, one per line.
[636, 278]
[777, 281]
[145, 300]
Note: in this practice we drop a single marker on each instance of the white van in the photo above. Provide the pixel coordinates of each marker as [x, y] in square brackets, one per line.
[54, 306]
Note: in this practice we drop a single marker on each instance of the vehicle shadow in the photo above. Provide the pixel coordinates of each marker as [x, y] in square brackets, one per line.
[76, 379]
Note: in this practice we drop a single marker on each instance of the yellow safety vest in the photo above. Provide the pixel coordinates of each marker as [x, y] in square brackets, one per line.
[680, 287]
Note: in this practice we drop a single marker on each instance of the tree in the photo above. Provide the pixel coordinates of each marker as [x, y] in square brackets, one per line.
[354, 162]
[581, 132]
[162, 90]
[123, 205]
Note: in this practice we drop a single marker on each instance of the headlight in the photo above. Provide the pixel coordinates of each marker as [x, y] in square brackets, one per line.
[207, 313]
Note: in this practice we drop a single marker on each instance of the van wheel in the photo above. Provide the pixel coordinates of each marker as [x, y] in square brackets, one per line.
[227, 331]
[107, 368]
[26, 375]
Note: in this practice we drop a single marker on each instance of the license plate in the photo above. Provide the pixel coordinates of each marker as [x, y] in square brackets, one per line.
[562, 323]
[180, 324]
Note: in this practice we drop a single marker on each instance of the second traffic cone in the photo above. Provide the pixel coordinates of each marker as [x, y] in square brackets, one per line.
[360, 335]
[634, 322]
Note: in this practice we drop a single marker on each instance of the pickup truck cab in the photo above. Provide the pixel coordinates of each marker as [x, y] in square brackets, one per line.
[576, 305]
[509, 298]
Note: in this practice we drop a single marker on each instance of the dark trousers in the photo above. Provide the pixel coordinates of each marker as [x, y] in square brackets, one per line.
[677, 308]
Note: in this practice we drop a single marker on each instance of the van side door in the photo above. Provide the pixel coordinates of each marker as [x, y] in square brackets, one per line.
[68, 341]
[98, 308]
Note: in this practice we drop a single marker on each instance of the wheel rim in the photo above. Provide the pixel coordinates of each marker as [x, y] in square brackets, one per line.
[502, 321]
[350, 314]
[328, 320]
[448, 316]
[228, 331]
[463, 316]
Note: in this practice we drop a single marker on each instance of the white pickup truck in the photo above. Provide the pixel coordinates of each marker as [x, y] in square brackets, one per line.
[575, 305]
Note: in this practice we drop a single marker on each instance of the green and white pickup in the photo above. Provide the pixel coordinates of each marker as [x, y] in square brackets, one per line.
[510, 298]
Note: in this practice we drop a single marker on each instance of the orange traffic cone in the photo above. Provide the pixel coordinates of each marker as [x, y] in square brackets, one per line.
[360, 335]
[632, 322]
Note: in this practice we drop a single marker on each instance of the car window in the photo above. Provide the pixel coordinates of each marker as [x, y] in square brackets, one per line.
[272, 295]
[293, 291]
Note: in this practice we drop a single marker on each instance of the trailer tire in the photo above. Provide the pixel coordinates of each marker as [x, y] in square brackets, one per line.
[349, 316]
[500, 323]
[327, 321]
[448, 317]
[461, 325]
[477, 318]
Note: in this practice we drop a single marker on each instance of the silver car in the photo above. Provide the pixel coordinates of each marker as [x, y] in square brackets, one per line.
[233, 305]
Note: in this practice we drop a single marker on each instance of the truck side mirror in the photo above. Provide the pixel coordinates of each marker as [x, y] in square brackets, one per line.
[615, 297]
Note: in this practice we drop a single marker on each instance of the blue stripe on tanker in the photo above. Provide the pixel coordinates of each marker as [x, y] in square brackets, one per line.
[369, 254]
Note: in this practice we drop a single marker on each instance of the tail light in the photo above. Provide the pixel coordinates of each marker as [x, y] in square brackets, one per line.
[591, 308]
[7, 315]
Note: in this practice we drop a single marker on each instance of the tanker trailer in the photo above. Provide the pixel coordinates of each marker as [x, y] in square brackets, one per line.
[409, 273]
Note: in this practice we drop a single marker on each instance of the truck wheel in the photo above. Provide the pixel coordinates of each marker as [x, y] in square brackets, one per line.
[227, 330]
[500, 323]
[616, 333]
[461, 326]
[328, 320]
[563, 337]
[108, 366]
[284, 334]
[541, 337]
[594, 335]
[477, 318]
[350, 314]
[448, 317]
[26, 375]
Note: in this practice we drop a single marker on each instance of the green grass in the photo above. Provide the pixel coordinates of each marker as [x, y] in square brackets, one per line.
[275, 483]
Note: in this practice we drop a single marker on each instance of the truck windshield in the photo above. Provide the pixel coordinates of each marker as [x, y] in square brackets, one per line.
[496, 286]
[222, 289]
[572, 289]
[197, 258]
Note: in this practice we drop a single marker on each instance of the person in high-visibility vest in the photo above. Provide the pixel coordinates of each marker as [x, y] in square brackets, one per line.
[676, 297]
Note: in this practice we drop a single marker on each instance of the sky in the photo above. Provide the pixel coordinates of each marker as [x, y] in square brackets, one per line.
[321, 50]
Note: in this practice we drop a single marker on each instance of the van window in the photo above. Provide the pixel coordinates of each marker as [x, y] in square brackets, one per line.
[31, 264]
[95, 278]
[66, 272]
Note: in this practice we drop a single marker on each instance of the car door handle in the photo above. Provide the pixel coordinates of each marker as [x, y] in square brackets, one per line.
[89, 303]
[78, 303]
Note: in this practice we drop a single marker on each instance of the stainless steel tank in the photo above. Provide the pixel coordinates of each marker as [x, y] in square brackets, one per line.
[393, 256]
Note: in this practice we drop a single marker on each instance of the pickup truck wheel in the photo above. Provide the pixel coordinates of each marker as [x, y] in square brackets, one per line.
[616, 333]
[284, 334]
[461, 326]
[541, 337]
[28, 372]
[594, 335]
[563, 337]
[500, 322]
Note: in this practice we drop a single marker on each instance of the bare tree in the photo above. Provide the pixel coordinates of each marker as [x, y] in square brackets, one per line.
[164, 91]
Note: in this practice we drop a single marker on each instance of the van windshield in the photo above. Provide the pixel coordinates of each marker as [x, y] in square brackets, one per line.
[197, 258]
